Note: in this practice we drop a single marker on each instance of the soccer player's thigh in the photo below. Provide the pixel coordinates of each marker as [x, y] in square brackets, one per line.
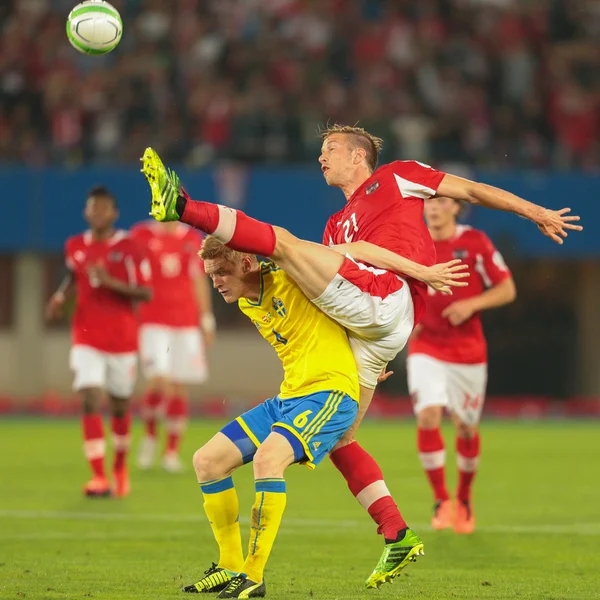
[315, 423]
[188, 357]
[155, 343]
[218, 458]
[428, 386]
[248, 431]
[89, 367]
[466, 390]
[121, 374]
[312, 266]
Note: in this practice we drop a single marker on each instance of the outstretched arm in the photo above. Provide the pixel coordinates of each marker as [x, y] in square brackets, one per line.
[442, 277]
[553, 223]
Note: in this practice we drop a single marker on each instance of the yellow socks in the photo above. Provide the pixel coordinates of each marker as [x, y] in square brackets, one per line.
[267, 511]
[223, 511]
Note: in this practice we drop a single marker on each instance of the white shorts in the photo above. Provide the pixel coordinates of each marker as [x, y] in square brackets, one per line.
[378, 328]
[175, 353]
[96, 369]
[458, 387]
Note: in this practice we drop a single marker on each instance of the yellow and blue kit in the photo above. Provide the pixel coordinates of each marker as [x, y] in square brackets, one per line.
[318, 399]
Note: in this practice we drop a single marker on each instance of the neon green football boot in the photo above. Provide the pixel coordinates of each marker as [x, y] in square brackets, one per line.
[396, 555]
[164, 185]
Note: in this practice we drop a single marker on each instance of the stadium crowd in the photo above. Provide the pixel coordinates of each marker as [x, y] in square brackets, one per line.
[497, 83]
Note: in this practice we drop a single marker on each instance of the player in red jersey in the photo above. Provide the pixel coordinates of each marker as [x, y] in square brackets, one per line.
[172, 347]
[107, 277]
[447, 362]
[381, 225]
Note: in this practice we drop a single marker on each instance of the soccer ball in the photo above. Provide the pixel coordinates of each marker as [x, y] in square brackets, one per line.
[94, 27]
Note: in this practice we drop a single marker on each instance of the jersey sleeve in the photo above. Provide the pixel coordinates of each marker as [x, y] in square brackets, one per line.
[137, 264]
[489, 263]
[415, 179]
[69, 261]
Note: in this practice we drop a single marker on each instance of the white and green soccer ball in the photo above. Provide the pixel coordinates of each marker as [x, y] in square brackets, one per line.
[94, 27]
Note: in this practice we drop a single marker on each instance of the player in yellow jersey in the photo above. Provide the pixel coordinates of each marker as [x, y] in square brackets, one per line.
[315, 406]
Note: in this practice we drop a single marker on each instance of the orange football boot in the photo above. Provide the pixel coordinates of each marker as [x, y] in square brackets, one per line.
[464, 518]
[97, 487]
[442, 515]
[121, 486]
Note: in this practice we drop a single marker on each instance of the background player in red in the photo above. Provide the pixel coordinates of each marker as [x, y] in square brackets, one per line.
[447, 362]
[107, 277]
[172, 346]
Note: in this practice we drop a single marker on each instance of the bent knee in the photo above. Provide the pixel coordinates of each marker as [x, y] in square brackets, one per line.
[430, 417]
[208, 465]
[466, 431]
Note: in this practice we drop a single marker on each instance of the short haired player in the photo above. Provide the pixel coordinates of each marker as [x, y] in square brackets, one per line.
[316, 404]
[107, 277]
[176, 326]
[447, 361]
[381, 226]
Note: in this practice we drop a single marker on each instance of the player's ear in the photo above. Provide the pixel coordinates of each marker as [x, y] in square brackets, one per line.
[360, 154]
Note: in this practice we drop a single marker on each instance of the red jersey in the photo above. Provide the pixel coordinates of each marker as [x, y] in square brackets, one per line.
[175, 264]
[387, 210]
[104, 319]
[465, 343]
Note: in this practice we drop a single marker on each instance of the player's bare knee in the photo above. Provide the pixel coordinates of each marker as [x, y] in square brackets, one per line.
[91, 399]
[207, 465]
[119, 406]
[466, 431]
[430, 417]
[266, 464]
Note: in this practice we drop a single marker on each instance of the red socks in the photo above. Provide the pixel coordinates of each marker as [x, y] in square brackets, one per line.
[467, 458]
[365, 480]
[121, 427]
[433, 459]
[94, 443]
[177, 412]
[232, 227]
[150, 409]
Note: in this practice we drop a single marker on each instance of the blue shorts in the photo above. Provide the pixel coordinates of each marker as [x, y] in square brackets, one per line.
[312, 424]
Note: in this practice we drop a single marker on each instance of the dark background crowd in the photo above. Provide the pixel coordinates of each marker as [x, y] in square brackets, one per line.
[496, 83]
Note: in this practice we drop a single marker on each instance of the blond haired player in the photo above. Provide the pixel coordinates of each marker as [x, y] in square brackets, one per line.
[316, 404]
[380, 226]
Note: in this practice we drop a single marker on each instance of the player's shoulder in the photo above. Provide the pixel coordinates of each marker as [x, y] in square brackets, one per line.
[78, 241]
[403, 166]
[471, 235]
[143, 229]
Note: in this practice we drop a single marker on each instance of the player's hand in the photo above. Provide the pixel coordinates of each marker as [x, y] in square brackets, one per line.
[458, 312]
[444, 276]
[55, 306]
[556, 224]
[99, 276]
[384, 375]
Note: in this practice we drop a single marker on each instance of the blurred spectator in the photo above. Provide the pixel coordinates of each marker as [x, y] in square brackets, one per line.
[496, 83]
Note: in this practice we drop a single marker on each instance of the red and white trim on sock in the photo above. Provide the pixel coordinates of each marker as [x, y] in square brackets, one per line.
[94, 443]
[432, 455]
[467, 459]
[365, 480]
[121, 428]
[232, 227]
[176, 423]
[150, 411]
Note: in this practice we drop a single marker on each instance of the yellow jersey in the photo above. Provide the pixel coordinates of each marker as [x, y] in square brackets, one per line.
[313, 349]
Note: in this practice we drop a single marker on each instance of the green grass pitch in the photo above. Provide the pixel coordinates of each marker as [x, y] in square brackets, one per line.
[537, 501]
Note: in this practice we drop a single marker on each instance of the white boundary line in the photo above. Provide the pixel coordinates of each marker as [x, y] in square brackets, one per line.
[314, 525]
